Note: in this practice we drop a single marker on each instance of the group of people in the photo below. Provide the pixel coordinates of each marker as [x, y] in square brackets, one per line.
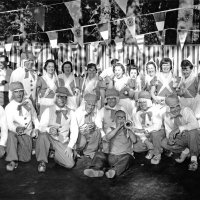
[105, 117]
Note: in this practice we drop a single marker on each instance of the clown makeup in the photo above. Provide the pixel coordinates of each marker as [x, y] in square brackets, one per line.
[112, 101]
[118, 72]
[133, 74]
[186, 71]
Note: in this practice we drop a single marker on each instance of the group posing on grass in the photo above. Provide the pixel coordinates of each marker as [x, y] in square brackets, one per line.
[106, 117]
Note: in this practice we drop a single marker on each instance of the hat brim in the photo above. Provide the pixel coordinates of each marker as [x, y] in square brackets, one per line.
[61, 94]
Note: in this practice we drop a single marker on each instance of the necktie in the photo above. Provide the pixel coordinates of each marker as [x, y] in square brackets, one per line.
[59, 114]
[27, 73]
[177, 121]
[88, 118]
[112, 113]
[143, 116]
[25, 105]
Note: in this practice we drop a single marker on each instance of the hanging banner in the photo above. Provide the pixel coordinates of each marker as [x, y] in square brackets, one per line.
[140, 42]
[53, 38]
[122, 4]
[103, 29]
[182, 37]
[78, 34]
[160, 20]
[74, 8]
[130, 23]
[39, 15]
[161, 36]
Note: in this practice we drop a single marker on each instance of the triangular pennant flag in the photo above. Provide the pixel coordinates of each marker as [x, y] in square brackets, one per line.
[8, 44]
[103, 29]
[160, 20]
[39, 15]
[197, 7]
[53, 38]
[78, 34]
[119, 44]
[182, 36]
[161, 36]
[122, 4]
[74, 8]
[130, 23]
[140, 42]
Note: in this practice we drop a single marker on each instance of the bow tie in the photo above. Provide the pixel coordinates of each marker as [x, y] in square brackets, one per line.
[58, 115]
[143, 116]
[27, 73]
[25, 105]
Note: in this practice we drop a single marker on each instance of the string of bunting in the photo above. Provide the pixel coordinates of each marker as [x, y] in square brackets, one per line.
[74, 8]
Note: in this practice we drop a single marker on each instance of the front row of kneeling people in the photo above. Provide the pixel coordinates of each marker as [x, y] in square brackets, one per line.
[108, 136]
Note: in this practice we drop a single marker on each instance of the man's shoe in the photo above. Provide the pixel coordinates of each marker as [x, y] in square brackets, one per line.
[168, 153]
[93, 173]
[110, 173]
[149, 155]
[11, 166]
[182, 157]
[193, 166]
[42, 167]
[156, 159]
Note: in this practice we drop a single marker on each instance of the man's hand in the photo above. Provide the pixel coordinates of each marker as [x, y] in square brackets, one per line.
[68, 152]
[53, 131]
[20, 130]
[172, 136]
[2, 151]
[91, 126]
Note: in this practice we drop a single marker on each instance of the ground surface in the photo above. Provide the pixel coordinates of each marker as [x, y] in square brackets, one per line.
[142, 181]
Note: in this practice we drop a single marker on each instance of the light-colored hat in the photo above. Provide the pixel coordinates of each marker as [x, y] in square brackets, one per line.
[144, 95]
[16, 86]
[90, 98]
[172, 100]
[62, 91]
[110, 93]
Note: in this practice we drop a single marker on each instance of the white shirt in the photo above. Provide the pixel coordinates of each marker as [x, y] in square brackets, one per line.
[80, 116]
[4, 127]
[152, 121]
[28, 83]
[14, 119]
[188, 121]
[68, 129]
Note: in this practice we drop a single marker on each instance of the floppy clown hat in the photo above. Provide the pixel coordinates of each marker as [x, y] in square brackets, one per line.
[90, 98]
[16, 86]
[172, 100]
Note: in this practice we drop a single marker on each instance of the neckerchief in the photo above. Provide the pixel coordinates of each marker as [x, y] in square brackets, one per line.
[59, 114]
[24, 104]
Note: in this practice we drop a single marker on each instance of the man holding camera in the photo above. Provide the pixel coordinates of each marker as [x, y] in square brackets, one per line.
[182, 132]
[117, 150]
[5, 73]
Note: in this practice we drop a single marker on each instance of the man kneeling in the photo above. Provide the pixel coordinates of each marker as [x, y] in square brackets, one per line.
[58, 127]
[117, 150]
